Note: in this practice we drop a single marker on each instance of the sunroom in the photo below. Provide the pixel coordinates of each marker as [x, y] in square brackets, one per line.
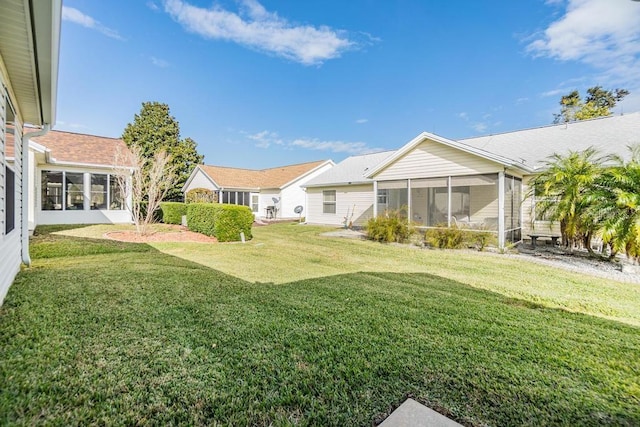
[435, 182]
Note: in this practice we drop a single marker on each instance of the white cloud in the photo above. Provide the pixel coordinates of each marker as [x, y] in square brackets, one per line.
[334, 146]
[71, 14]
[160, 63]
[265, 139]
[362, 121]
[522, 100]
[601, 33]
[463, 116]
[480, 127]
[255, 27]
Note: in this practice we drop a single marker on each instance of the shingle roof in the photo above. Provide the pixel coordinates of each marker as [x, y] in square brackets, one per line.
[276, 177]
[350, 170]
[610, 135]
[80, 148]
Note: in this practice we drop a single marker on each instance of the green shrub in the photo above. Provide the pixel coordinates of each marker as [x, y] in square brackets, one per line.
[231, 220]
[225, 222]
[391, 227]
[172, 212]
[201, 195]
[453, 237]
[201, 218]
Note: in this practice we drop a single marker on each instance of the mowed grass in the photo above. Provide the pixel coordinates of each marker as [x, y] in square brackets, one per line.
[127, 334]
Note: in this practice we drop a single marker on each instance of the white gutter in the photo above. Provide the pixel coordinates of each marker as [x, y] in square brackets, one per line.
[26, 259]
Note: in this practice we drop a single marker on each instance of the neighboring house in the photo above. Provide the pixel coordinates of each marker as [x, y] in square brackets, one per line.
[72, 179]
[268, 192]
[29, 47]
[478, 183]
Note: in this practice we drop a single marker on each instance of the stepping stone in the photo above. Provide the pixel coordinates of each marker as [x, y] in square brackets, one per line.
[414, 414]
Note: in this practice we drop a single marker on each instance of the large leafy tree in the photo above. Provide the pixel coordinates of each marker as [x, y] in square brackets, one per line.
[154, 130]
[598, 103]
[615, 204]
[561, 192]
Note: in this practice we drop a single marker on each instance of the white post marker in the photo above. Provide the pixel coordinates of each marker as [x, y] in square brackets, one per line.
[242, 236]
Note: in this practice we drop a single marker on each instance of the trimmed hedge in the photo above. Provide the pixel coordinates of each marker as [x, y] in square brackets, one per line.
[201, 195]
[225, 222]
[172, 212]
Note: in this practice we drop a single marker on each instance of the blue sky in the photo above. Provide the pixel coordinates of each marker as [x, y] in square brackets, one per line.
[263, 83]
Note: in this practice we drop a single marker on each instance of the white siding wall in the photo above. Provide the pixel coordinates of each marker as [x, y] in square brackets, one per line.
[200, 180]
[431, 159]
[294, 195]
[10, 244]
[71, 216]
[360, 196]
[266, 199]
[529, 225]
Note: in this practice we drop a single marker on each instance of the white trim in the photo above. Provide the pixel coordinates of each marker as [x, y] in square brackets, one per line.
[192, 176]
[501, 230]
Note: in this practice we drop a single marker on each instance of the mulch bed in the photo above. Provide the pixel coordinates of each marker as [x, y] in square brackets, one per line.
[177, 233]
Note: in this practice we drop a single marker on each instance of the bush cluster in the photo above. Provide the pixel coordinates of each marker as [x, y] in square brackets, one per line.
[457, 238]
[200, 195]
[172, 212]
[391, 227]
[225, 222]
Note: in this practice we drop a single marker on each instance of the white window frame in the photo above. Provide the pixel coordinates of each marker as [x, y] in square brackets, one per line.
[328, 203]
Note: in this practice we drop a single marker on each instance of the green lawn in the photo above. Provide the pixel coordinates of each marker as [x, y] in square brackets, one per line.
[293, 328]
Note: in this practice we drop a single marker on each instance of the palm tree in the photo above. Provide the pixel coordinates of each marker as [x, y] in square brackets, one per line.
[615, 204]
[561, 191]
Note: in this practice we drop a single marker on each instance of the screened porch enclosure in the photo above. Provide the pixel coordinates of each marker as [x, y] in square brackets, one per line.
[472, 202]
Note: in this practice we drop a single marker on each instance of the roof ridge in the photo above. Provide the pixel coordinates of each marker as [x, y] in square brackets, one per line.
[75, 133]
[565, 124]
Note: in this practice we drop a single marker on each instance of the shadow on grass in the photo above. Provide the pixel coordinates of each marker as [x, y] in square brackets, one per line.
[140, 336]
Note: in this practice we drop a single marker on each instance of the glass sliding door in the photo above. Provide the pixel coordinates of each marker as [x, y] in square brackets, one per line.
[512, 207]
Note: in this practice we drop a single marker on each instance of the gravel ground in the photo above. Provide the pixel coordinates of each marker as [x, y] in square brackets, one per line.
[580, 261]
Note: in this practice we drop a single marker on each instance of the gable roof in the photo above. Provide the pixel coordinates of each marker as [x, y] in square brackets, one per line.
[426, 136]
[69, 148]
[278, 177]
[351, 170]
[610, 135]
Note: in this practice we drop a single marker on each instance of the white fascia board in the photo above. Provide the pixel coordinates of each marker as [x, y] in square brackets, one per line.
[38, 148]
[298, 178]
[47, 16]
[424, 136]
[337, 184]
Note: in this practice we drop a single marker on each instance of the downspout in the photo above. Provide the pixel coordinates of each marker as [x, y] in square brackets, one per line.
[26, 259]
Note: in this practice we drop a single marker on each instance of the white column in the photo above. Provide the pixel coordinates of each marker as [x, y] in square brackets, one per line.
[86, 180]
[375, 199]
[409, 214]
[449, 201]
[501, 210]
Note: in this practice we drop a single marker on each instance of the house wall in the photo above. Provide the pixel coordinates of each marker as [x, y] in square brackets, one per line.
[294, 195]
[358, 198]
[101, 216]
[266, 197]
[529, 224]
[200, 180]
[431, 159]
[10, 243]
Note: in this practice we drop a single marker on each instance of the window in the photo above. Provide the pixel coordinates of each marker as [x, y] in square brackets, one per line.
[51, 191]
[329, 201]
[383, 197]
[98, 191]
[254, 203]
[116, 194]
[10, 200]
[74, 186]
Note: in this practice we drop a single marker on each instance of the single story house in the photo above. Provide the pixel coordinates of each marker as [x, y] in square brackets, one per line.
[477, 183]
[270, 193]
[29, 50]
[72, 179]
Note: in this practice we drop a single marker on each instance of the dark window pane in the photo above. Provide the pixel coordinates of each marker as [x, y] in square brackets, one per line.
[74, 186]
[116, 194]
[51, 191]
[98, 191]
[10, 201]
